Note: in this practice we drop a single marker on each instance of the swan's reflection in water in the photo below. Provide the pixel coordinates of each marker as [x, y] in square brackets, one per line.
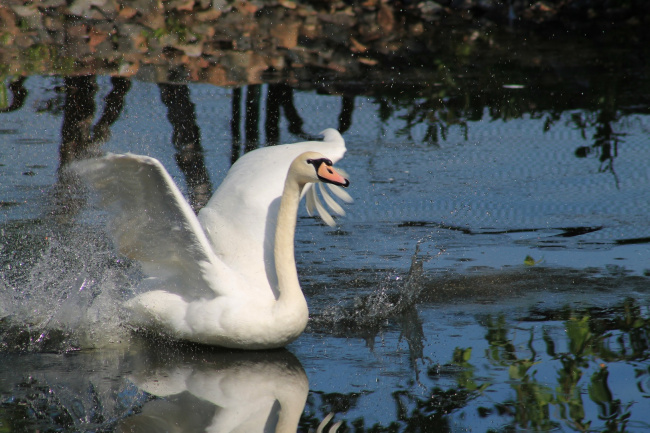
[218, 391]
[153, 387]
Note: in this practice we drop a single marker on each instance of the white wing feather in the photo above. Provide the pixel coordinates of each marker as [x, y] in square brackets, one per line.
[152, 223]
[314, 202]
[340, 192]
[336, 208]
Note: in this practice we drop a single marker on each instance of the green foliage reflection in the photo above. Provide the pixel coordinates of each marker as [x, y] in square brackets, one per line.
[561, 375]
[593, 339]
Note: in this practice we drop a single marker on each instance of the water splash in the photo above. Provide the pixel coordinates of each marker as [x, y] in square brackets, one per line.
[69, 297]
[365, 315]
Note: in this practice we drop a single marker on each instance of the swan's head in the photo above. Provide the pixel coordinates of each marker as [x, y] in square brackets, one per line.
[313, 167]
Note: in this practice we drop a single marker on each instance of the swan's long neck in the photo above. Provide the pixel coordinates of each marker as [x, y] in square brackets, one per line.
[290, 294]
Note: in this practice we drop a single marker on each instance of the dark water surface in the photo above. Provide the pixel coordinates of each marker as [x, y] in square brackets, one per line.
[492, 273]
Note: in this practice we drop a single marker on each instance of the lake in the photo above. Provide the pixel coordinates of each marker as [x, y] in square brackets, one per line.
[492, 273]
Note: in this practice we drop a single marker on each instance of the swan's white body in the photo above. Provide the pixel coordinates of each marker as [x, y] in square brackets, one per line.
[228, 277]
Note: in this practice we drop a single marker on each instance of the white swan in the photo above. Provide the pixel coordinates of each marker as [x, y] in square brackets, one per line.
[227, 278]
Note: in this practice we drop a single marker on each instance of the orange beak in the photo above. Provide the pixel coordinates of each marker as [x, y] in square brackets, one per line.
[327, 174]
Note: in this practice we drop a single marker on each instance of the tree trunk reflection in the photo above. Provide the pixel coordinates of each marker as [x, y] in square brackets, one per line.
[186, 138]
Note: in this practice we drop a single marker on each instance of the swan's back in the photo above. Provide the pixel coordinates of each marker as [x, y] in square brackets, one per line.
[240, 218]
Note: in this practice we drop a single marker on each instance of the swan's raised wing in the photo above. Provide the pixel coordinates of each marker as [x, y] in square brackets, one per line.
[240, 217]
[152, 222]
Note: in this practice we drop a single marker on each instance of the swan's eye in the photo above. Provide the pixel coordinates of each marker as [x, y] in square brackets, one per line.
[317, 162]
